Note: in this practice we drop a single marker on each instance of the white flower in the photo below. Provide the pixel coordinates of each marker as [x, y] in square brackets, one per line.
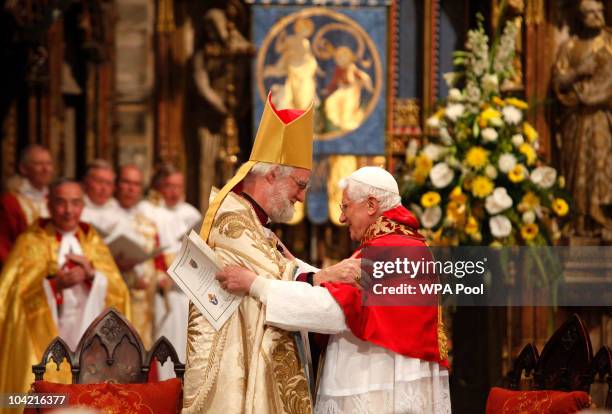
[544, 177]
[433, 151]
[490, 83]
[455, 95]
[412, 149]
[500, 226]
[498, 201]
[506, 162]
[517, 140]
[454, 111]
[445, 137]
[431, 216]
[489, 134]
[441, 175]
[529, 217]
[451, 78]
[491, 172]
[512, 115]
[433, 122]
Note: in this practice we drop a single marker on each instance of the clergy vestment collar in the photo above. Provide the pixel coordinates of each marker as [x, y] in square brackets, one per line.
[47, 225]
[27, 189]
[261, 214]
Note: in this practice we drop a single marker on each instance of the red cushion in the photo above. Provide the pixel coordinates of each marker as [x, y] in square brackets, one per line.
[149, 398]
[502, 401]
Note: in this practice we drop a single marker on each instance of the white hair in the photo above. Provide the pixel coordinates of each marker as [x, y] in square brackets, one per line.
[263, 168]
[357, 191]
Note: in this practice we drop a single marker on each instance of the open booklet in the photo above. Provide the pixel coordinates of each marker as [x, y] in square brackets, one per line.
[126, 246]
[194, 270]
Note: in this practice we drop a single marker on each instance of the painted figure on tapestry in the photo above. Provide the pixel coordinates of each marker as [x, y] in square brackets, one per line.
[297, 63]
[321, 56]
[583, 85]
[343, 104]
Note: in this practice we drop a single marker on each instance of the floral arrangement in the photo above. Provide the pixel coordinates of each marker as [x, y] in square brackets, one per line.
[484, 183]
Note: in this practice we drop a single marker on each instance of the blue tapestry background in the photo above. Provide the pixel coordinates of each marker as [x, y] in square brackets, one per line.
[369, 137]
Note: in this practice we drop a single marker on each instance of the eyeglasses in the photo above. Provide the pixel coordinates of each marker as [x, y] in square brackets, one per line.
[302, 185]
[344, 206]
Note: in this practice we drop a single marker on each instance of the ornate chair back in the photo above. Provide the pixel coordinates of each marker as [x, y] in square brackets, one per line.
[110, 350]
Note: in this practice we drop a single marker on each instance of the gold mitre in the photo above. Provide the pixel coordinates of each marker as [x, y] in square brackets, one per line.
[284, 137]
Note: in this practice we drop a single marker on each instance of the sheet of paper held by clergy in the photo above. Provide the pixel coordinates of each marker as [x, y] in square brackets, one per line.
[194, 270]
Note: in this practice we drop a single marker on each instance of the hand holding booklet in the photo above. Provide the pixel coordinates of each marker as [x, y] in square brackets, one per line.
[194, 271]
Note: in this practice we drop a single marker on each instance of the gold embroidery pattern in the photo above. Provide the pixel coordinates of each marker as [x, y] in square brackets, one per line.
[288, 376]
[234, 224]
[442, 341]
[212, 363]
[384, 226]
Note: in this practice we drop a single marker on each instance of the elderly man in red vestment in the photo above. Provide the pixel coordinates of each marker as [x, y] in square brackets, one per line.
[380, 359]
[26, 198]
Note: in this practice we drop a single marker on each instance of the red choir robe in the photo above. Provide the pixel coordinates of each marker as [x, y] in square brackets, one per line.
[13, 222]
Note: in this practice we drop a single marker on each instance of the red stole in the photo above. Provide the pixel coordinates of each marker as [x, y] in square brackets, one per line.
[13, 222]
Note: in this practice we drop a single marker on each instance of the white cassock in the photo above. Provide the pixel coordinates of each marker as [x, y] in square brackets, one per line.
[173, 223]
[103, 217]
[358, 376]
[81, 304]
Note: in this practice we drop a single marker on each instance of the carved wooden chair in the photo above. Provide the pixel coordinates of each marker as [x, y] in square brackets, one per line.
[110, 350]
[565, 364]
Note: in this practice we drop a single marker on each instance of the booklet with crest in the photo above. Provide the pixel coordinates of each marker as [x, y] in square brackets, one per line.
[194, 271]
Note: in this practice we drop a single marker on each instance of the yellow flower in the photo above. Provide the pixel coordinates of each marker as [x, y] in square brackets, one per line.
[520, 104]
[529, 132]
[455, 213]
[458, 196]
[419, 177]
[530, 201]
[477, 157]
[482, 186]
[529, 153]
[561, 182]
[430, 199]
[560, 207]
[471, 227]
[498, 101]
[517, 174]
[439, 113]
[529, 231]
[421, 168]
[487, 116]
[423, 163]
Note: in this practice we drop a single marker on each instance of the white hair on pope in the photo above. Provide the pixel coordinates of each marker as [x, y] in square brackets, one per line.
[372, 182]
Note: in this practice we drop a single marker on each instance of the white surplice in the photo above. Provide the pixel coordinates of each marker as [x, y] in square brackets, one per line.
[172, 222]
[81, 304]
[358, 376]
[103, 217]
[172, 312]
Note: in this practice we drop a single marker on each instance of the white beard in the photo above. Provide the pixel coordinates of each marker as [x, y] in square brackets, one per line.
[282, 210]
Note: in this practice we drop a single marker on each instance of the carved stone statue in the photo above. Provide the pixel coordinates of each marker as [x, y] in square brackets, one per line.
[217, 84]
[582, 83]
